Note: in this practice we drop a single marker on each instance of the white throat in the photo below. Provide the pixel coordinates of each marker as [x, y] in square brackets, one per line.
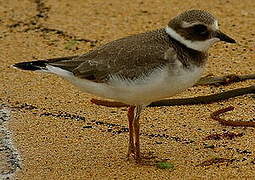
[196, 45]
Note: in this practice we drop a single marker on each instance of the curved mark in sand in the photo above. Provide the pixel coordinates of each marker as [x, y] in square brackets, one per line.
[9, 157]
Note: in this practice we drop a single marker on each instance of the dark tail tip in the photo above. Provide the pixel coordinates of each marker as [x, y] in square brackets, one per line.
[31, 66]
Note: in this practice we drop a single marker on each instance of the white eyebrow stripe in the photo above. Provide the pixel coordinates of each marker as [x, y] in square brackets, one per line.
[185, 24]
[214, 26]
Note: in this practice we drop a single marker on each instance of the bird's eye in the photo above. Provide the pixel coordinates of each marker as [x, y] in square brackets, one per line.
[200, 29]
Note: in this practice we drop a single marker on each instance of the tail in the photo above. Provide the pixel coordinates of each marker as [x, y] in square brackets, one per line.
[32, 66]
[40, 65]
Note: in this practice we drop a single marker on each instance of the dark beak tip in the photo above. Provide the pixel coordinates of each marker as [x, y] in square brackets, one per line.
[234, 41]
[224, 37]
[227, 39]
[231, 41]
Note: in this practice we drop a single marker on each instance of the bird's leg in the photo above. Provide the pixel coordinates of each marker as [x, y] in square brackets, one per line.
[108, 103]
[131, 146]
[138, 110]
[134, 127]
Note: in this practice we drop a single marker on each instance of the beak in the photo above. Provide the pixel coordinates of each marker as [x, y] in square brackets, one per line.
[224, 37]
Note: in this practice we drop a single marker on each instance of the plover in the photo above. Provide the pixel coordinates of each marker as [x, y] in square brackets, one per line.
[141, 68]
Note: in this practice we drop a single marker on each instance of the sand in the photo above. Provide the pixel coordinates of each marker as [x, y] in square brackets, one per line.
[59, 134]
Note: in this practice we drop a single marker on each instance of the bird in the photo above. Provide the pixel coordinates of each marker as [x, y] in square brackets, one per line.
[141, 68]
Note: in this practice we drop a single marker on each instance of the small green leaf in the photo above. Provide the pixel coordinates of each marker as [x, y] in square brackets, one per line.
[70, 44]
[165, 165]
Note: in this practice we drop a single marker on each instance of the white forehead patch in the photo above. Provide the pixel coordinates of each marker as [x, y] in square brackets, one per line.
[196, 45]
[215, 25]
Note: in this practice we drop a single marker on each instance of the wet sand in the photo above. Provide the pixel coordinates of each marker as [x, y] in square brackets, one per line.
[60, 134]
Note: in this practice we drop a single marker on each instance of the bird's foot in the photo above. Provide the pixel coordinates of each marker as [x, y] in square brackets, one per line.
[133, 157]
[143, 158]
[148, 155]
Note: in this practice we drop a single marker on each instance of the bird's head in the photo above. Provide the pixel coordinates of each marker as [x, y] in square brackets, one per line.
[196, 29]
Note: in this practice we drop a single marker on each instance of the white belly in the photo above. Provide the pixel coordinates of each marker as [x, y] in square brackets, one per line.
[158, 85]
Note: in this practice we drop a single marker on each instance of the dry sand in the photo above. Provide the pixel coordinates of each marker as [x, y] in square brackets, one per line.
[60, 134]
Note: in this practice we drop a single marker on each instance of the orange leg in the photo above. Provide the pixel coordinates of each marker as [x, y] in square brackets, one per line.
[133, 124]
[137, 139]
[134, 129]
[131, 145]
[108, 103]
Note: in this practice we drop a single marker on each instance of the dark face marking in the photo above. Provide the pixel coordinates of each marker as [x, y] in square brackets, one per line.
[198, 32]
